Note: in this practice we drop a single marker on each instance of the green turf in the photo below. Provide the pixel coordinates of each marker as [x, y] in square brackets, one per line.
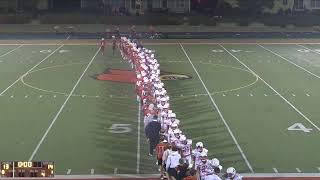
[81, 140]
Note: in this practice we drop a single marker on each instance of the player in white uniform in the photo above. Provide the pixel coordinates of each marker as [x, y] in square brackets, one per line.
[186, 149]
[231, 174]
[197, 152]
[203, 166]
[212, 174]
[215, 163]
[175, 139]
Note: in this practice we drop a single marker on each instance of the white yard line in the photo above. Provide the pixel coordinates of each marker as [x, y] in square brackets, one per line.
[291, 62]
[289, 103]
[62, 107]
[219, 112]
[138, 143]
[30, 70]
[10, 51]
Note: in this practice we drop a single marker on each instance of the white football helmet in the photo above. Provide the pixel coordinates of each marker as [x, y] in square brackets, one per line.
[183, 138]
[174, 125]
[231, 172]
[199, 144]
[215, 162]
[176, 131]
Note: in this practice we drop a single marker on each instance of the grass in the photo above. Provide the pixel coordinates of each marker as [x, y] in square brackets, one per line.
[81, 138]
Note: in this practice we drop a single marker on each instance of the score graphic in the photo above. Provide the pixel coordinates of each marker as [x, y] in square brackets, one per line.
[26, 169]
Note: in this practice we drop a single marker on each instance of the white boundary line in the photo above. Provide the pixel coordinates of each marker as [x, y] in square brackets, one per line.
[291, 62]
[31, 69]
[219, 112]
[11, 51]
[62, 107]
[138, 143]
[289, 103]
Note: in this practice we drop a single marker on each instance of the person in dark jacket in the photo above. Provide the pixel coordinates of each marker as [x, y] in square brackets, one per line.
[152, 131]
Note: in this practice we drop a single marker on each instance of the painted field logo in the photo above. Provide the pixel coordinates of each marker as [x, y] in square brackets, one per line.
[128, 76]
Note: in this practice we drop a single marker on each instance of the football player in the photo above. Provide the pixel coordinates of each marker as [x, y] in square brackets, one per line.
[196, 153]
[231, 174]
[102, 45]
[203, 166]
[186, 149]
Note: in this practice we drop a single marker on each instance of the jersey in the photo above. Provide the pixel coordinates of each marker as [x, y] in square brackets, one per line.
[212, 177]
[203, 168]
[197, 155]
[186, 150]
[236, 177]
[160, 148]
[102, 43]
[114, 43]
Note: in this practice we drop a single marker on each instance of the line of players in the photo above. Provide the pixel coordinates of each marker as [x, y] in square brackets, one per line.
[155, 100]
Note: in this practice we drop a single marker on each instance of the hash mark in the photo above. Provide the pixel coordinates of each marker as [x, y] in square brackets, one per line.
[55, 96]
[12, 96]
[265, 95]
[251, 94]
[181, 94]
[26, 96]
[293, 95]
[275, 170]
[69, 171]
[223, 95]
[298, 170]
[40, 96]
[308, 94]
[319, 168]
[238, 95]
[115, 171]
[92, 171]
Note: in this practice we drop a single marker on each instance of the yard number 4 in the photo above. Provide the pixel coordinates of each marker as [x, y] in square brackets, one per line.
[120, 128]
[299, 127]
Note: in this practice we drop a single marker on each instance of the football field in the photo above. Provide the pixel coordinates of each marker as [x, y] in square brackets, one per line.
[254, 106]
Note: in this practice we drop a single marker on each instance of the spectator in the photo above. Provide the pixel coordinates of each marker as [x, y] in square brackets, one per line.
[172, 164]
[182, 169]
[191, 175]
[153, 133]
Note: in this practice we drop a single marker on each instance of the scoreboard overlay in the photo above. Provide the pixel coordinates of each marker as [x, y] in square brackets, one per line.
[26, 169]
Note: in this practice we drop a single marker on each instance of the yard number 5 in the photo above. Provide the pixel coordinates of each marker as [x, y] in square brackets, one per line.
[120, 128]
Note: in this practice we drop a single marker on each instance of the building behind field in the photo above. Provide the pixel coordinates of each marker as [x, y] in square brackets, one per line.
[176, 6]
